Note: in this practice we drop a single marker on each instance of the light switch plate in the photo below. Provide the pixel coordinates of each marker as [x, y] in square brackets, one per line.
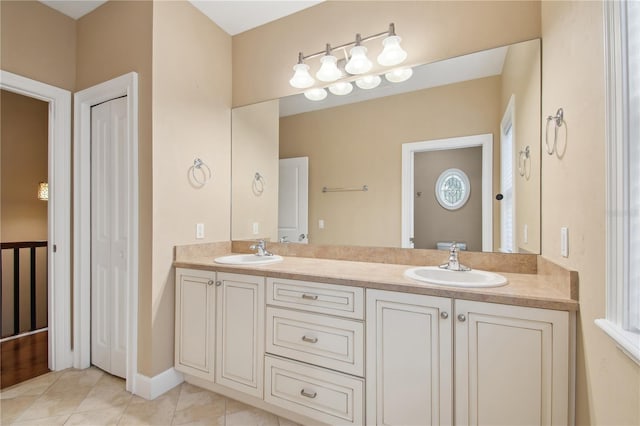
[321, 223]
[564, 241]
[199, 231]
[256, 228]
[525, 233]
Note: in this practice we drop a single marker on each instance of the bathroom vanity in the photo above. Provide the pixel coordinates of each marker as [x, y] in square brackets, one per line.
[324, 341]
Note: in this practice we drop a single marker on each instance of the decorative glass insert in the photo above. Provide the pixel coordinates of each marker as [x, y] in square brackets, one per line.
[452, 189]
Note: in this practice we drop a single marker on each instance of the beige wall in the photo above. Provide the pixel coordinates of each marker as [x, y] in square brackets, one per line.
[432, 222]
[24, 149]
[573, 195]
[521, 78]
[360, 144]
[431, 30]
[38, 42]
[191, 118]
[255, 150]
[113, 40]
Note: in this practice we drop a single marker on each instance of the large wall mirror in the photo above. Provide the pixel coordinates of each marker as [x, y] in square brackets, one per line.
[365, 169]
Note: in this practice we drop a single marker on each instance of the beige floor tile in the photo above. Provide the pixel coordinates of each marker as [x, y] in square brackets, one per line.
[198, 406]
[160, 411]
[102, 417]
[51, 405]
[286, 422]
[11, 409]
[109, 392]
[47, 421]
[239, 414]
[32, 387]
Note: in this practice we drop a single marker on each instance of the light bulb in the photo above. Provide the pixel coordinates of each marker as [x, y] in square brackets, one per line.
[315, 94]
[301, 78]
[359, 63]
[392, 54]
[341, 88]
[399, 75]
[329, 70]
[368, 82]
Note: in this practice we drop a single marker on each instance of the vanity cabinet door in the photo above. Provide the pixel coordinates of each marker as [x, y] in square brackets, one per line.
[195, 316]
[409, 359]
[511, 364]
[240, 332]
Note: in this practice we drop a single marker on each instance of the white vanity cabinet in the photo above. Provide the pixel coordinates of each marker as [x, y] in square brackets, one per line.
[506, 364]
[315, 335]
[409, 359]
[195, 323]
[240, 332]
[512, 365]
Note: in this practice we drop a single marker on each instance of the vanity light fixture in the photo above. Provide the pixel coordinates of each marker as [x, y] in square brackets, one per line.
[332, 70]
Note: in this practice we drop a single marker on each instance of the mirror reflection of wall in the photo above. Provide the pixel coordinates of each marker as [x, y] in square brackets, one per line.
[360, 144]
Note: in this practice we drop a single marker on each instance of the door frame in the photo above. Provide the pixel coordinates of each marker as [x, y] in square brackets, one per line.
[125, 85]
[408, 156]
[58, 211]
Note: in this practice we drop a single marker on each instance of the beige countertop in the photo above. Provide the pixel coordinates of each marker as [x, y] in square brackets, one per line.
[548, 288]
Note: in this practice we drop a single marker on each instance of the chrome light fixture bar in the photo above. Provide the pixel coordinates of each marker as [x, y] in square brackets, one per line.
[357, 64]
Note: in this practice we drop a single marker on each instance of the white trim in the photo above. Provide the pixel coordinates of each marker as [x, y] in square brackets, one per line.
[508, 122]
[153, 387]
[408, 155]
[25, 334]
[618, 217]
[59, 210]
[126, 85]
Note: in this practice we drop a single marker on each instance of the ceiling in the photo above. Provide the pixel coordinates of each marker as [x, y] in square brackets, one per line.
[233, 16]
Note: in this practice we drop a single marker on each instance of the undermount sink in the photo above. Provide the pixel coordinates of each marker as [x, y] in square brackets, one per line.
[439, 276]
[248, 259]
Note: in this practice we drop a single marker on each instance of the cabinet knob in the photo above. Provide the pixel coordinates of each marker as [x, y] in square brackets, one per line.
[444, 315]
[308, 394]
[210, 282]
[462, 318]
[218, 283]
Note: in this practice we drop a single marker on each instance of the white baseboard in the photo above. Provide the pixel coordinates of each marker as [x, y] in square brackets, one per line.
[153, 387]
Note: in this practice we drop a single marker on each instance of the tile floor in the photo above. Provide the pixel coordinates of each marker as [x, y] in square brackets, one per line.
[93, 397]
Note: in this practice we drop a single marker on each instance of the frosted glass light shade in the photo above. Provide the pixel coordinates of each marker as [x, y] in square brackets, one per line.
[341, 88]
[359, 63]
[43, 191]
[301, 78]
[328, 70]
[392, 54]
[368, 82]
[399, 75]
[316, 94]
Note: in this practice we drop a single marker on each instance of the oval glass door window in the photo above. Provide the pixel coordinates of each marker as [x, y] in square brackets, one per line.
[453, 189]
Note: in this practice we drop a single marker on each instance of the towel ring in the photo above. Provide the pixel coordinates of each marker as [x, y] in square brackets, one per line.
[258, 184]
[200, 165]
[558, 120]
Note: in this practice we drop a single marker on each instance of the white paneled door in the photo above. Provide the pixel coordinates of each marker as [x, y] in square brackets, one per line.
[293, 196]
[109, 235]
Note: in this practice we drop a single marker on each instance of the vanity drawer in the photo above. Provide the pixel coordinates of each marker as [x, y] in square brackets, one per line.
[320, 394]
[345, 301]
[330, 342]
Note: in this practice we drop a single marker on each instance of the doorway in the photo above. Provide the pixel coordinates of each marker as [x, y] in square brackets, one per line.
[125, 87]
[58, 339]
[409, 151]
[293, 200]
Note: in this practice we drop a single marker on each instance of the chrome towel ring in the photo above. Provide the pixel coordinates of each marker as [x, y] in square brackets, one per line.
[558, 120]
[523, 156]
[258, 184]
[203, 173]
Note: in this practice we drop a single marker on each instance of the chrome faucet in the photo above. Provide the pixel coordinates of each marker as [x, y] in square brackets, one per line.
[453, 264]
[261, 247]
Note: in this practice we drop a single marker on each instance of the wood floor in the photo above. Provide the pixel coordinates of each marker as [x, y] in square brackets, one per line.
[23, 358]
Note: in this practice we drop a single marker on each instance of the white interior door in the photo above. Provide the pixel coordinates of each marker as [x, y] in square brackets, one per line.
[293, 200]
[109, 235]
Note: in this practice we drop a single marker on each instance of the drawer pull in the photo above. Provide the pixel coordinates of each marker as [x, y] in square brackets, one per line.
[310, 296]
[309, 339]
[307, 394]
